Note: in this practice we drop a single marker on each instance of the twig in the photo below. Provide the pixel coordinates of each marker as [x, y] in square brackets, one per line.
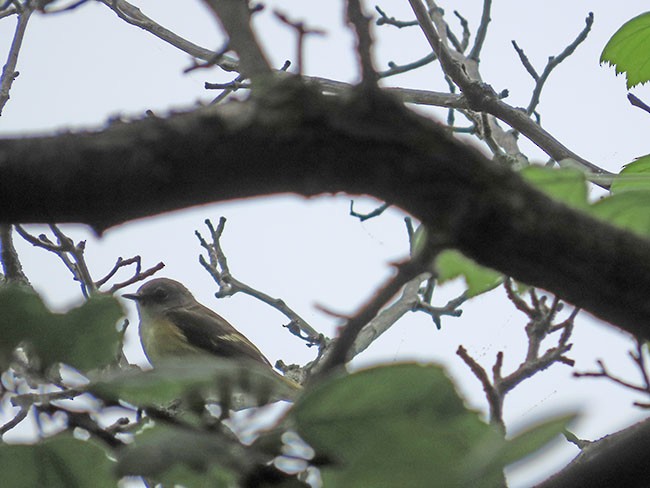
[554, 61]
[386, 20]
[137, 276]
[20, 416]
[66, 8]
[519, 303]
[11, 266]
[218, 268]
[538, 328]
[637, 102]
[482, 98]
[604, 373]
[9, 73]
[344, 343]
[235, 20]
[302, 31]
[460, 47]
[512, 116]
[232, 86]
[639, 358]
[390, 315]
[6, 10]
[450, 309]
[481, 33]
[486, 135]
[370, 215]
[214, 60]
[84, 421]
[134, 16]
[72, 255]
[66, 244]
[377, 326]
[395, 69]
[495, 401]
[525, 61]
[361, 25]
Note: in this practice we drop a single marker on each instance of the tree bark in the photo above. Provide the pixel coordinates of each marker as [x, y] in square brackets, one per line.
[292, 139]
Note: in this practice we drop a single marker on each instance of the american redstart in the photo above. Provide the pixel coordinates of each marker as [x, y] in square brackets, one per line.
[174, 325]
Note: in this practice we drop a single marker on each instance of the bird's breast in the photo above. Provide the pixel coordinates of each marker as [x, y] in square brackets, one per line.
[162, 339]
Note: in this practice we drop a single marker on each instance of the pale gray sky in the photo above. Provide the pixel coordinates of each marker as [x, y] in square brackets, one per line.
[79, 68]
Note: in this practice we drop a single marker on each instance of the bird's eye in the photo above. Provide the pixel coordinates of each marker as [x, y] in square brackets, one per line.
[159, 295]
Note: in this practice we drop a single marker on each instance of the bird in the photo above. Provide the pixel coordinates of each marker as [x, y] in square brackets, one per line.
[173, 325]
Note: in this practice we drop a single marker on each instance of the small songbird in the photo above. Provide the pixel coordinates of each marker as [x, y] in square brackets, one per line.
[173, 324]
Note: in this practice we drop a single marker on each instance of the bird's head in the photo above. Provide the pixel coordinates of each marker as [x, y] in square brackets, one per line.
[161, 294]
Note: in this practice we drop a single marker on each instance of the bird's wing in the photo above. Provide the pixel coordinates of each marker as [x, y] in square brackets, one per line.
[212, 333]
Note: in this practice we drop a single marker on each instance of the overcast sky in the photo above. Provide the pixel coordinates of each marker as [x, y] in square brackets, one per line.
[79, 68]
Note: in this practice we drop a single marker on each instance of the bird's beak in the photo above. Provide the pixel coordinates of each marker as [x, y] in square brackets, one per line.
[132, 296]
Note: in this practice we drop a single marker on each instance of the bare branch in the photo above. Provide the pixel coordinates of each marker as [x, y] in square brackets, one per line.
[11, 266]
[361, 24]
[637, 102]
[639, 357]
[134, 16]
[525, 61]
[370, 215]
[395, 69]
[18, 418]
[234, 16]
[70, 254]
[482, 98]
[138, 276]
[481, 33]
[218, 268]
[417, 168]
[65, 8]
[538, 328]
[386, 20]
[7, 10]
[302, 31]
[231, 86]
[350, 331]
[510, 115]
[460, 47]
[495, 400]
[389, 316]
[554, 61]
[450, 309]
[9, 73]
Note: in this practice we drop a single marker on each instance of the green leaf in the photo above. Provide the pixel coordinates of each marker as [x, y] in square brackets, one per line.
[567, 185]
[491, 454]
[400, 425]
[634, 176]
[628, 209]
[85, 337]
[177, 454]
[215, 379]
[628, 50]
[22, 312]
[59, 462]
[451, 264]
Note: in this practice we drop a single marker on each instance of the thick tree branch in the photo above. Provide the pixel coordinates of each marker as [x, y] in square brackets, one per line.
[619, 459]
[234, 16]
[296, 140]
[490, 104]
